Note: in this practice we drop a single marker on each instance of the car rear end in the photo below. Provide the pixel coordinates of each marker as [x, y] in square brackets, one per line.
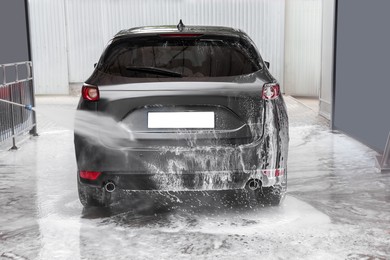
[173, 111]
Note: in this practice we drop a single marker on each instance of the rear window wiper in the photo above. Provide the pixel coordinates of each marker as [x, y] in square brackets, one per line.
[154, 70]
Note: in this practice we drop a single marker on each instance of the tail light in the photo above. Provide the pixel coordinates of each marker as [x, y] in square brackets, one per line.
[90, 92]
[271, 91]
[89, 175]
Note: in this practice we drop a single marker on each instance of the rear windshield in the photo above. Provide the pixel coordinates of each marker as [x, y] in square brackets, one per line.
[161, 57]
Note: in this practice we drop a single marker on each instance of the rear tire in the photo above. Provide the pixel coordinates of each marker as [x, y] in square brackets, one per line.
[270, 196]
[92, 196]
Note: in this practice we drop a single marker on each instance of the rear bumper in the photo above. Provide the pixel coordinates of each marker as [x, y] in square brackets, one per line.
[192, 168]
[179, 169]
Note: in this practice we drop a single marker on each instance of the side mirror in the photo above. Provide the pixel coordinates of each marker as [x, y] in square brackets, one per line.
[94, 65]
[267, 64]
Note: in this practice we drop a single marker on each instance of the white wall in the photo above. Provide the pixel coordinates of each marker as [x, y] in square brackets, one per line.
[48, 44]
[89, 24]
[302, 71]
[328, 15]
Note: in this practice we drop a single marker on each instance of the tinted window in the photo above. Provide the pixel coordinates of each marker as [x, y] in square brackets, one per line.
[188, 57]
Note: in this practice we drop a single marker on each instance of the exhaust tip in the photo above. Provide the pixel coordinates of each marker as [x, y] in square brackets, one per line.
[110, 186]
[253, 184]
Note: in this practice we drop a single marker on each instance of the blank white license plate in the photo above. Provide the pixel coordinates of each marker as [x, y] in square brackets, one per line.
[181, 120]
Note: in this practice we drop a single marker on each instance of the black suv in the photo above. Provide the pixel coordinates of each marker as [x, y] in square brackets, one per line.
[181, 108]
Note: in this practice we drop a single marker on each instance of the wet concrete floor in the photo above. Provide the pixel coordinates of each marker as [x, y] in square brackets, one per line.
[337, 207]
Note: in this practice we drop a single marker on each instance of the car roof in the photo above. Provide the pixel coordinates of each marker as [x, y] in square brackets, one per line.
[211, 30]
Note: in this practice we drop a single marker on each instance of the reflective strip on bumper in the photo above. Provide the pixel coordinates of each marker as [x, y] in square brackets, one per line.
[271, 173]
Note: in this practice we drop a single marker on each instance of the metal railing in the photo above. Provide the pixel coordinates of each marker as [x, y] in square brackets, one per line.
[16, 86]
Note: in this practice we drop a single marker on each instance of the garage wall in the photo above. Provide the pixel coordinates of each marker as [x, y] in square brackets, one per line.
[327, 54]
[14, 34]
[362, 90]
[303, 47]
[85, 26]
[48, 46]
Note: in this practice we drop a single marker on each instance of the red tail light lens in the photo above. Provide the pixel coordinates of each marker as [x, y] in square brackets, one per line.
[271, 173]
[90, 92]
[89, 175]
[271, 91]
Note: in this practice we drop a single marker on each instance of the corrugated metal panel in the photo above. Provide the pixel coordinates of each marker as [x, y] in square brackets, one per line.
[303, 47]
[328, 13]
[48, 43]
[92, 23]
[68, 36]
[85, 38]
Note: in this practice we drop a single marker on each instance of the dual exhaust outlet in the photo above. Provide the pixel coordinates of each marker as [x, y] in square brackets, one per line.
[109, 186]
[253, 184]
